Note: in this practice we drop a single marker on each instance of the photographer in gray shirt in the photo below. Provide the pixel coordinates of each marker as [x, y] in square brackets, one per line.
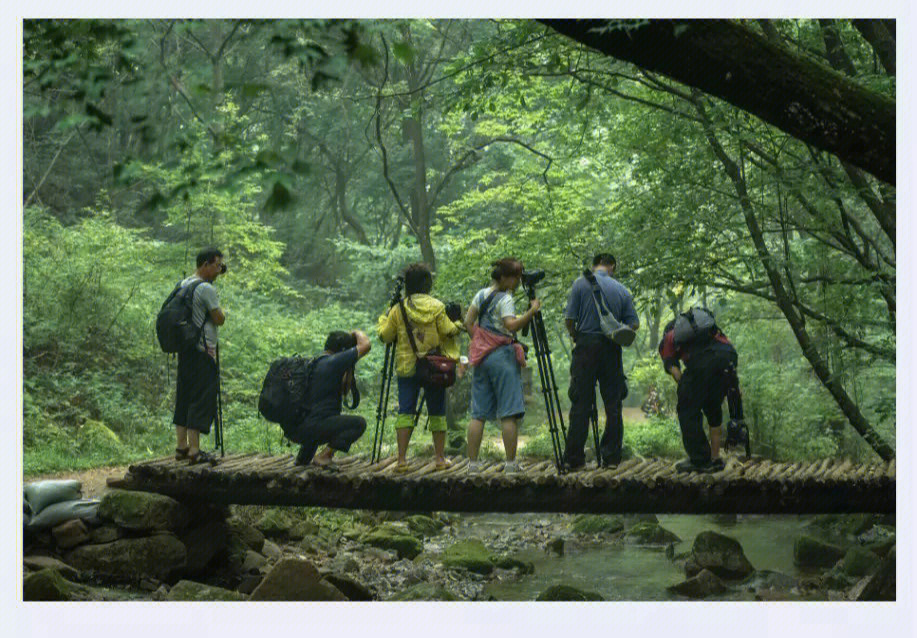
[198, 379]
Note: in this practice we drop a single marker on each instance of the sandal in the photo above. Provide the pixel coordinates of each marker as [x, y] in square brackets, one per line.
[181, 453]
[202, 457]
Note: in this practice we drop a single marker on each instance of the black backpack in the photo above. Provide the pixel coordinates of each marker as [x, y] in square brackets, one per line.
[174, 328]
[285, 393]
[694, 327]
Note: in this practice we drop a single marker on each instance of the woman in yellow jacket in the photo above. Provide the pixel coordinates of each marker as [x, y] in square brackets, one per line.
[432, 329]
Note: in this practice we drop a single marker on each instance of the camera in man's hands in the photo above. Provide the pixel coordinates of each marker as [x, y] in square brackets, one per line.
[453, 311]
[532, 277]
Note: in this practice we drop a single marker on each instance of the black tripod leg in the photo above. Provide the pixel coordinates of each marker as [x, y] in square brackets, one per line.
[382, 407]
[218, 430]
[594, 417]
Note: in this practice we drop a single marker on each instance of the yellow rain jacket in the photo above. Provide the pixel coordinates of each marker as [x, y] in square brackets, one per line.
[432, 328]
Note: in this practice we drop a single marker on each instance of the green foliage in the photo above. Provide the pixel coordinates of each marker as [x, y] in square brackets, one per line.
[655, 437]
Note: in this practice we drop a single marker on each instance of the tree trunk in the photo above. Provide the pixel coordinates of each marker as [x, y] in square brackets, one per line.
[784, 302]
[881, 39]
[420, 204]
[727, 60]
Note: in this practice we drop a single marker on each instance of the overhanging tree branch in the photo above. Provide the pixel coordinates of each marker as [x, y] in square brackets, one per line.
[725, 59]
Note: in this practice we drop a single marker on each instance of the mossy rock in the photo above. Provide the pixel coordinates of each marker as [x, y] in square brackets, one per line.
[468, 554]
[190, 590]
[650, 534]
[844, 524]
[567, 592]
[355, 531]
[143, 511]
[301, 529]
[406, 546]
[505, 561]
[157, 556]
[424, 525]
[720, 554]
[811, 552]
[597, 524]
[881, 548]
[47, 585]
[275, 523]
[858, 562]
[247, 534]
[397, 527]
[425, 591]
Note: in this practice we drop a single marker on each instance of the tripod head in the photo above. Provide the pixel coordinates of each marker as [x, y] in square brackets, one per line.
[529, 279]
[396, 294]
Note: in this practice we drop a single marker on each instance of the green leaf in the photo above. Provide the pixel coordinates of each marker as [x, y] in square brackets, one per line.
[404, 52]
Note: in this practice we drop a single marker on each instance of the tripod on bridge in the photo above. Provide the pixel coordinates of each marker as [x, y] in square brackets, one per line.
[546, 372]
[388, 372]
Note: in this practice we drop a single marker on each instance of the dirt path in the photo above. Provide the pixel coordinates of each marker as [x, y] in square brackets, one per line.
[93, 480]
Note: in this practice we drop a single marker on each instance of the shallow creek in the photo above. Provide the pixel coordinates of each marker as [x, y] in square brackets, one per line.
[614, 569]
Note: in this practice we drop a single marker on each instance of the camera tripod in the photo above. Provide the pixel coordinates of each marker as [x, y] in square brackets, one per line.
[388, 372]
[546, 373]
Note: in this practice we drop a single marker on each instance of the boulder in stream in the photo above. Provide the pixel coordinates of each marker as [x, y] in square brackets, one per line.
[706, 583]
[881, 585]
[424, 525]
[650, 534]
[424, 591]
[188, 590]
[567, 592]
[469, 554]
[811, 552]
[382, 537]
[250, 536]
[597, 524]
[721, 555]
[295, 579]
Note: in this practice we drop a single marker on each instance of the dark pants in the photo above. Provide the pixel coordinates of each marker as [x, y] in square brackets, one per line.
[338, 432]
[707, 379]
[196, 391]
[409, 391]
[595, 358]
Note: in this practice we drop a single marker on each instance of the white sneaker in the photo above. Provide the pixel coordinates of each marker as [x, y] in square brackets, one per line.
[511, 467]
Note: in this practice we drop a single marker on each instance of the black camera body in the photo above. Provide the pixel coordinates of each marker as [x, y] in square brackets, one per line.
[531, 277]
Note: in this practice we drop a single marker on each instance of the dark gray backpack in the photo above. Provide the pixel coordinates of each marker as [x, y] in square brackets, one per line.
[694, 327]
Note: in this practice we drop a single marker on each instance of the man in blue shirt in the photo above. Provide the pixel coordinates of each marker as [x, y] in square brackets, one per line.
[596, 358]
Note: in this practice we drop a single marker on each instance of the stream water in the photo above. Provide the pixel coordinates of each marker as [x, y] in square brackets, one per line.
[622, 571]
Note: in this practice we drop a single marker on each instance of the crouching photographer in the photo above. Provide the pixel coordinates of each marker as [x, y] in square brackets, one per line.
[332, 377]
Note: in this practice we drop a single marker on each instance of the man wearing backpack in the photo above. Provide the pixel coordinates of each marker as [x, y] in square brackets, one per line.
[198, 378]
[332, 376]
[709, 376]
[596, 358]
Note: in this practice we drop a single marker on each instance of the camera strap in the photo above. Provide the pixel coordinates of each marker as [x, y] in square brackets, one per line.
[486, 304]
[408, 327]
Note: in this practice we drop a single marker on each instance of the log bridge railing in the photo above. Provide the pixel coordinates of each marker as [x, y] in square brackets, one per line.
[752, 486]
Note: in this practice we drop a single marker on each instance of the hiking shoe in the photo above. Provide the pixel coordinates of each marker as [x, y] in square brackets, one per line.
[686, 465]
[202, 457]
[511, 467]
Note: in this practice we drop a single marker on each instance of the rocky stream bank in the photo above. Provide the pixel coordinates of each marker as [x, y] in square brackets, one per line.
[144, 546]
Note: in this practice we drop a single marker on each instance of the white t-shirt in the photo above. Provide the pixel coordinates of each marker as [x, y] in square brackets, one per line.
[502, 305]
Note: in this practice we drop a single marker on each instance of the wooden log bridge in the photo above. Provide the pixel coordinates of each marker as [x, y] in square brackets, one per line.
[753, 486]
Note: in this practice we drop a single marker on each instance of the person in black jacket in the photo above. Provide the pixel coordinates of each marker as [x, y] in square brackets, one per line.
[709, 377]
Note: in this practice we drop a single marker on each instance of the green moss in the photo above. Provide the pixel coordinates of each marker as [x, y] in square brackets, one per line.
[406, 546]
[567, 592]
[47, 584]
[597, 524]
[192, 591]
[469, 554]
